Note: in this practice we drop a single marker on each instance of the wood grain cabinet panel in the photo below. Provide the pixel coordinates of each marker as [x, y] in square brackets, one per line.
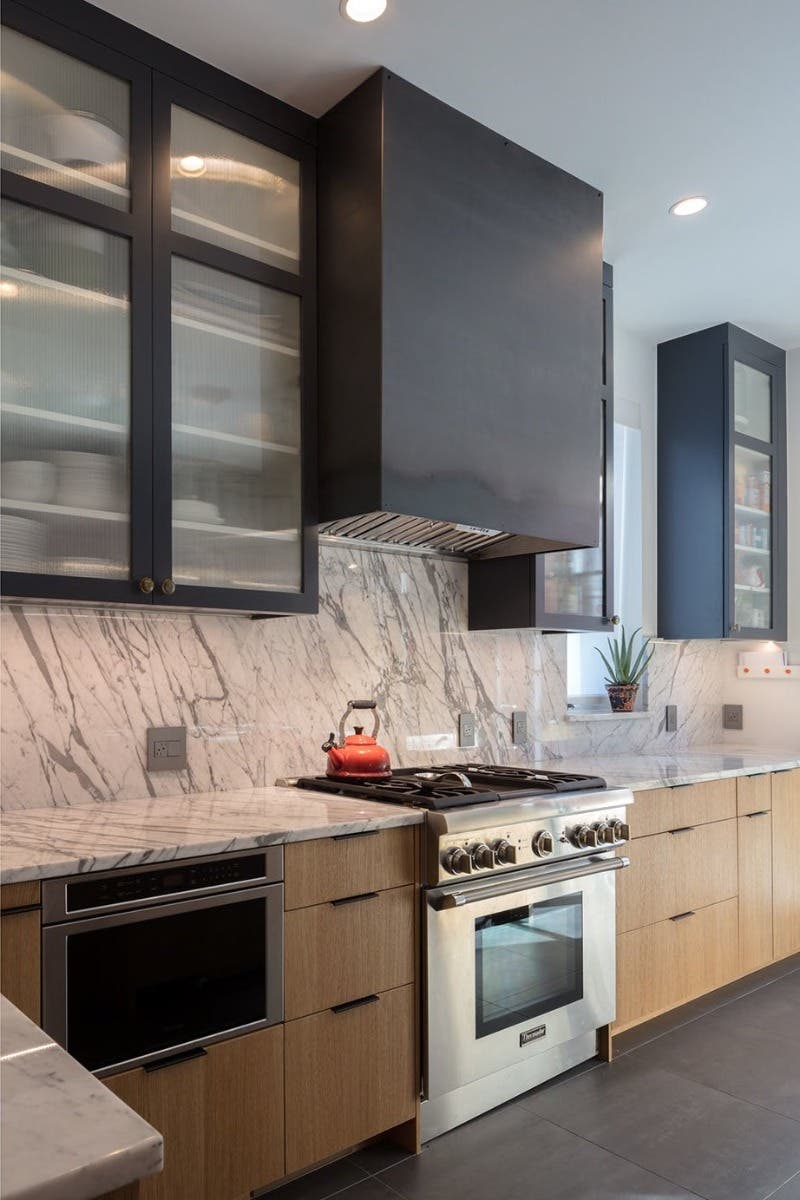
[20, 895]
[339, 951]
[20, 960]
[785, 864]
[755, 890]
[672, 873]
[332, 868]
[349, 1076]
[753, 794]
[664, 965]
[660, 809]
[244, 1128]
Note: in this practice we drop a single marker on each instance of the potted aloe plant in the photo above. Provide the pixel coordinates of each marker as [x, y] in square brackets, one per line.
[625, 670]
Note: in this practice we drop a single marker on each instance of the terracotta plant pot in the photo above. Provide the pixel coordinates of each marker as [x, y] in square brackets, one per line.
[622, 696]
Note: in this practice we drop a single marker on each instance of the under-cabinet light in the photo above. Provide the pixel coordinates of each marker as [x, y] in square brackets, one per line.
[191, 164]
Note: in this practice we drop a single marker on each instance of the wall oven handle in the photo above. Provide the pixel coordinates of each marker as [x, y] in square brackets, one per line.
[440, 898]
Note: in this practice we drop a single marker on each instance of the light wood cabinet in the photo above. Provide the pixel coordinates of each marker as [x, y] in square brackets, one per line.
[349, 948]
[673, 961]
[755, 889]
[350, 1075]
[753, 794]
[20, 947]
[785, 865]
[672, 873]
[316, 872]
[660, 809]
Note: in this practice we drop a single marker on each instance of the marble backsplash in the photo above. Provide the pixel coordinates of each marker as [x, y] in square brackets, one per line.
[80, 686]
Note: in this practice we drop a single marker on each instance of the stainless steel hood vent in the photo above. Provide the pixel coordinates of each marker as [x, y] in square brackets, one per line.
[443, 537]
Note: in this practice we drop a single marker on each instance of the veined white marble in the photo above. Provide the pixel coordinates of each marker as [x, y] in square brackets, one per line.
[641, 772]
[80, 687]
[65, 1136]
[46, 842]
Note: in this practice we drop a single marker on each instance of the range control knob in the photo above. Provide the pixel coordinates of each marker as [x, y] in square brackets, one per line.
[542, 843]
[482, 856]
[504, 852]
[584, 837]
[621, 831]
[605, 833]
[456, 861]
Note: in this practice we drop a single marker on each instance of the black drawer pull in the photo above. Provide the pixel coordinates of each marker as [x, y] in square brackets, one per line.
[342, 837]
[340, 1008]
[682, 829]
[762, 812]
[677, 785]
[173, 1059]
[684, 916]
[354, 899]
[21, 908]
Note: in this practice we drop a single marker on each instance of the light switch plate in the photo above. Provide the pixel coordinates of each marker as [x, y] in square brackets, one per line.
[166, 748]
[671, 719]
[732, 716]
[466, 730]
[519, 728]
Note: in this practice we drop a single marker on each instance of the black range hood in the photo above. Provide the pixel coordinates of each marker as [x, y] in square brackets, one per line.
[460, 284]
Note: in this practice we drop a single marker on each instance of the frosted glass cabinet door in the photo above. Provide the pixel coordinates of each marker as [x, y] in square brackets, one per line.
[65, 123]
[236, 475]
[752, 550]
[752, 401]
[66, 370]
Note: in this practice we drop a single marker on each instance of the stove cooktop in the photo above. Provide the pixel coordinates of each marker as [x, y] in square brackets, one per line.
[458, 786]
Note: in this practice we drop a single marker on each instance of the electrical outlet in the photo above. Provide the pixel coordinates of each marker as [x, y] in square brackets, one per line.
[671, 719]
[732, 716]
[166, 748]
[466, 731]
[519, 728]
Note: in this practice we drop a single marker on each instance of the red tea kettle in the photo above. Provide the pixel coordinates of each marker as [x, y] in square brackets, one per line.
[357, 756]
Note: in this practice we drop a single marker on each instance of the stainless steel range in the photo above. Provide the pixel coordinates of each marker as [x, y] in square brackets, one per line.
[519, 921]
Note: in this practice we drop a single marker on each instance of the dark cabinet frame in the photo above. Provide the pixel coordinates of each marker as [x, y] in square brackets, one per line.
[509, 593]
[157, 76]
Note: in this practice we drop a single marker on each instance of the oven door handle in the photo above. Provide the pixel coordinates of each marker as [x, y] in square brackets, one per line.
[442, 898]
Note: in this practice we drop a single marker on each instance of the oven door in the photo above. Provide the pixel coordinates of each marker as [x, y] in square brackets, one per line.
[129, 987]
[516, 965]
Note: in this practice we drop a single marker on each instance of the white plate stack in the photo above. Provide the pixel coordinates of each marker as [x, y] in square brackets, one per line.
[94, 481]
[22, 543]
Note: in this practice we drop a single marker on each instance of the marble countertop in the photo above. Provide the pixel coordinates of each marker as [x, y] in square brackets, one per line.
[697, 765]
[65, 1136]
[41, 843]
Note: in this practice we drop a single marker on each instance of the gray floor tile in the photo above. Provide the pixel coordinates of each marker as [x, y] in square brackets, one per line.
[789, 1191]
[713, 1144]
[322, 1183]
[725, 1053]
[378, 1157]
[648, 1030]
[775, 1009]
[370, 1189]
[511, 1155]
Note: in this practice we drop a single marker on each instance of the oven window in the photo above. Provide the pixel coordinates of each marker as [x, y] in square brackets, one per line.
[160, 982]
[528, 961]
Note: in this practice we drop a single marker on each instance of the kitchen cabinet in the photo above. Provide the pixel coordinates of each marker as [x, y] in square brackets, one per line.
[721, 486]
[567, 589]
[754, 804]
[327, 869]
[159, 268]
[785, 872]
[20, 947]
[220, 1111]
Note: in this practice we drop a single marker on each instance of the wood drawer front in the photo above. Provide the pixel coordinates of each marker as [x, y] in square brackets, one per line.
[20, 961]
[349, 1076]
[661, 809]
[671, 873]
[20, 895]
[342, 950]
[785, 867]
[755, 891]
[331, 868]
[753, 794]
[672, 962]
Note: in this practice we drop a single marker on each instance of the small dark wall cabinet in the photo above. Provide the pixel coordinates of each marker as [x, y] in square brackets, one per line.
[459, 330]
[569, 590]
[721, 486]
[159, 332]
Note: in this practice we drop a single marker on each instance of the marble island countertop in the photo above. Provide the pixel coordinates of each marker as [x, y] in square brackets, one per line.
[640, 772]
[65, 1136]
[42, 843]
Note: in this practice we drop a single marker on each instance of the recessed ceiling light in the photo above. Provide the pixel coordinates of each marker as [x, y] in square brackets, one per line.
[362, 10]
[191, 164]
[688, 206]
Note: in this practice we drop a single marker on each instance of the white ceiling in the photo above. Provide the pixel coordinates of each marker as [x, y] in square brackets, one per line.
[650, 100]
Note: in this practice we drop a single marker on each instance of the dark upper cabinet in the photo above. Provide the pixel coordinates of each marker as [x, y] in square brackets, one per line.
[459, 331]
[721, 486]
[568, 589]
[159, 267]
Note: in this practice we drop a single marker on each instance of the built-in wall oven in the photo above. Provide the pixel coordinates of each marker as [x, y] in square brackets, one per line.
[147, 962]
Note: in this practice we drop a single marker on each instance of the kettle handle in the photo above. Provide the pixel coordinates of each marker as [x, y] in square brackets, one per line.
[359, 704]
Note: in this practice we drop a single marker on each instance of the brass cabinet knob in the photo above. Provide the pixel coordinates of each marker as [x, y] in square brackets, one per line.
[613, 620]
[147, 585]
[168, 587]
